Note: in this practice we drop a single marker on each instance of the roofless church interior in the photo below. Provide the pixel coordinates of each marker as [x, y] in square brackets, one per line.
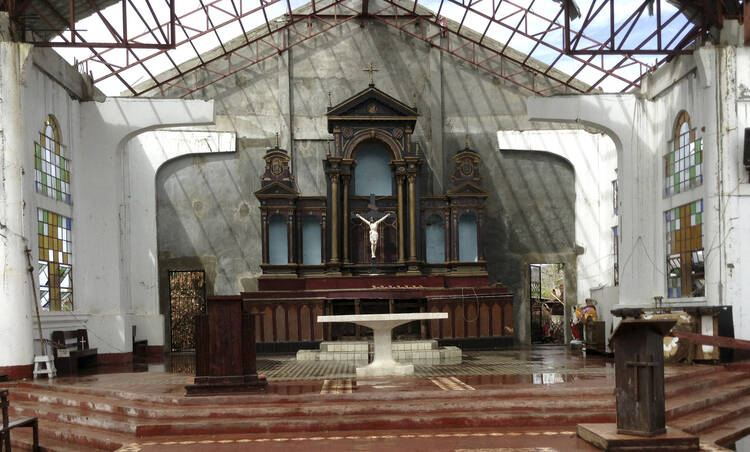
[314, 217]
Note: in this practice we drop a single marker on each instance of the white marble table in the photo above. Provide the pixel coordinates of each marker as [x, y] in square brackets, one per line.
[382, 325]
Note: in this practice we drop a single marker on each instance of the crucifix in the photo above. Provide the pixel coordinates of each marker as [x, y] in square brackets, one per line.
[371, 69]
[637, 365]
[373, 223]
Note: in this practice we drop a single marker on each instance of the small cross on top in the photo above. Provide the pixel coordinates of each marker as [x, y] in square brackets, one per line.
[371, 69]
[277, 140]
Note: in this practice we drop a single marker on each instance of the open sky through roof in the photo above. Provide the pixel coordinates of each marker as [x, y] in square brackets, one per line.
[532, 27]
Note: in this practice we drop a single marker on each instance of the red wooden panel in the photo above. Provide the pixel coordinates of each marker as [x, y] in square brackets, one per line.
[281, 324]
[304, 317]
[497, 320]
[292, 326]
[472, 319]
[268, 324]
[318, 310]
[484, 320]
[458, 321]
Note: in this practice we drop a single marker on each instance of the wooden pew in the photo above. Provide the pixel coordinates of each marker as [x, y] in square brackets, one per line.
[10, 425]
[72, 351]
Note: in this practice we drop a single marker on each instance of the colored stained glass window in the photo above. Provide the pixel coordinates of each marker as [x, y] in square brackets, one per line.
[51, 166]
[685, 259]
[55, 261]
[683, 165]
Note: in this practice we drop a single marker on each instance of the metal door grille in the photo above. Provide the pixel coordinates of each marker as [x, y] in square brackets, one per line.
[187, 297]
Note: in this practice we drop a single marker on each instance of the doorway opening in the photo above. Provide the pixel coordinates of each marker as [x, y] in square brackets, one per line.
[187, 298]
[547, 302]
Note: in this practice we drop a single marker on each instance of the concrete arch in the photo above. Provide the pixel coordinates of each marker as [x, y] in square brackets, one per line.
[593, 158]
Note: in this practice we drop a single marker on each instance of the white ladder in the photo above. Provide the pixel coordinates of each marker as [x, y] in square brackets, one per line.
[48, 368]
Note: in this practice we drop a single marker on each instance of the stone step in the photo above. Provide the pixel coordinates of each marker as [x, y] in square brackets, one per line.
[529, 391]
[77, 438]
[404, 421]
[693, 371]
[687, 403]
[75, 416]
[124, 419]
[727, 432]
[703, 420]
[702, 382]
[23, 441]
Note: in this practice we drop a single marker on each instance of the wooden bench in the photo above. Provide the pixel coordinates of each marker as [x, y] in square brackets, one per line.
[8, 425]
[72, 351]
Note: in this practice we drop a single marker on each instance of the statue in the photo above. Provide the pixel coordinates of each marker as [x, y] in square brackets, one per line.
[373, 232]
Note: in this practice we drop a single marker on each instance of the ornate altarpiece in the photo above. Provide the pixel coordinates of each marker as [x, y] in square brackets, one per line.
[344, 280]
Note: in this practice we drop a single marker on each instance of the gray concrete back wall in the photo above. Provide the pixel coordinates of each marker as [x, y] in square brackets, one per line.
[531, 204]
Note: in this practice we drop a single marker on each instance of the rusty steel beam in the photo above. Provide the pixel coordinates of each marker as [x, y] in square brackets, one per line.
[703, 16]
[188, 37]
[484, 63]
[517, 29]
[119, 41]
[716, 341]
[264, 49]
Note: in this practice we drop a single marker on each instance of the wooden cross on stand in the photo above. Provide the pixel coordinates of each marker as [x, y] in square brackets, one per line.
[371, 69]
[637, 365]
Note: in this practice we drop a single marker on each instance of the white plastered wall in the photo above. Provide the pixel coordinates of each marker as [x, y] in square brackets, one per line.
[594, 159]
[142, 158]
[714, 92]
[113, 201]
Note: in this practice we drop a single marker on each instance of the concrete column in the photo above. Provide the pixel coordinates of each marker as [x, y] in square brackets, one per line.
[16, 337]
[401, 249]
[285, 103]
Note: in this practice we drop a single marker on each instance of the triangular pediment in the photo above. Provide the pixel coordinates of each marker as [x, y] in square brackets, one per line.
[468, 188]
[276, 189]
[372, 103]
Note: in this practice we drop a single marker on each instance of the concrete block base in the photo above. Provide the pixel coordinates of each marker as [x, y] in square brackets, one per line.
[398, 370]
[605, 437]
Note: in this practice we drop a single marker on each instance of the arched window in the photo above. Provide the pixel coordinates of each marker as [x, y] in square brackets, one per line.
[373, 171]
[683, 164]
[278, 247]
[51, 163]
[467, 238]
[311, 241]
[435, 240]
[55, 261]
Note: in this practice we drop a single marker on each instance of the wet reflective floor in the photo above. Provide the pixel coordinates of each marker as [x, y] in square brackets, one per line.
[545, 365]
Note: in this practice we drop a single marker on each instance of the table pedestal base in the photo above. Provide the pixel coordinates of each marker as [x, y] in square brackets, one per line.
[396, 370]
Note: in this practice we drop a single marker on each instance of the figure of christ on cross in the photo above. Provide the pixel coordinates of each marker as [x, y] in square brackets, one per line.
[373, 232]
[373, 224]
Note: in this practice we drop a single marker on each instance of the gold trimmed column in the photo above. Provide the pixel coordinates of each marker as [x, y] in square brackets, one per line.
[334, 218]
[401, 219]
[412, 217]
[345, 217]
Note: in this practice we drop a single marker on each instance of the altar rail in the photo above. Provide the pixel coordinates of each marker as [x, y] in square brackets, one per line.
[468, 317]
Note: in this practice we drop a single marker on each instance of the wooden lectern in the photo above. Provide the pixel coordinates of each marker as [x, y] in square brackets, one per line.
[639, 375]
[225, 350]
[639, 389]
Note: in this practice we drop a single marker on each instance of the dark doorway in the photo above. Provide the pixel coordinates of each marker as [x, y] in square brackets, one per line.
[187, 297]
[546, 298]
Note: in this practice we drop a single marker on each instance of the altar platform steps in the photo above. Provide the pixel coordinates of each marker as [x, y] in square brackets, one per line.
[86, 418]
[714, 407]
